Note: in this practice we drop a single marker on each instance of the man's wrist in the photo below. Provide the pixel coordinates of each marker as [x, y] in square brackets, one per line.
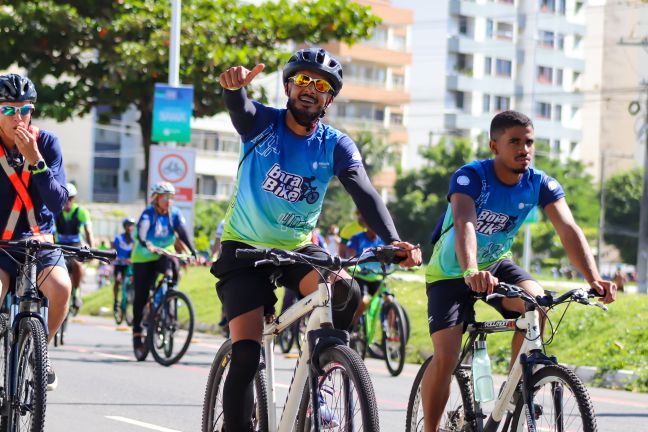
[37, 167]
[470, 271]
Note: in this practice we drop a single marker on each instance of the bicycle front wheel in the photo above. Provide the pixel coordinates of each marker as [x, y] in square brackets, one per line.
[459, 413]
[128, 300]
[394, 338]
[28, 407]
[560, 400]
[212, 415]
[171, 328]
[346, 396]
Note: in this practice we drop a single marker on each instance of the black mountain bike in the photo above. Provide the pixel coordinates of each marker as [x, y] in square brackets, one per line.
[23, 338]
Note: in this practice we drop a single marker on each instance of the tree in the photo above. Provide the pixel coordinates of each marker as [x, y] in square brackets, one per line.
[208, 215]
[376, 153]
[83, 54]
[422, 194]
[622, 198]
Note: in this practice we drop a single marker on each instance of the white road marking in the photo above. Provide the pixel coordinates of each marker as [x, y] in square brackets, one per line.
[141, 424]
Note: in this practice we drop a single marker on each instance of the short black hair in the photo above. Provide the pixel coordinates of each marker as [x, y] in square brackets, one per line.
[506, 120]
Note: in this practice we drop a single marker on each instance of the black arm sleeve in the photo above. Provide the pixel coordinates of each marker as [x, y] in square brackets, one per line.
[182, 233]
[241, 110]
[368, 201]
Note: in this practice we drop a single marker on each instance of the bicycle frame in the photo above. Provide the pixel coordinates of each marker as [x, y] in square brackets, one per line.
[522, 369]
[318, 303]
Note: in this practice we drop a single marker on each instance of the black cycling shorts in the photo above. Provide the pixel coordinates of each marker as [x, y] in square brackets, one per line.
[241, 287]
[120, 269]
[450, 301]
[368, 287]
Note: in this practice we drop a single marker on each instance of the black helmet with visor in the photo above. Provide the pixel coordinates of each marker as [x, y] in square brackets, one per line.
[317, 60]
[16, 88]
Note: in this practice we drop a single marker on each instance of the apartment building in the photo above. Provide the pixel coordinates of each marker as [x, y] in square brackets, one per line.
[376, 78]
[475, 58]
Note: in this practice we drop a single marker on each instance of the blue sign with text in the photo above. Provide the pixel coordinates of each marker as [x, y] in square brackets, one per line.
[172, 110]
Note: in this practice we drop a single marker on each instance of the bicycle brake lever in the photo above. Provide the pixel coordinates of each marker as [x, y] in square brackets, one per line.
[494, 296]
[599, 305]
[263, 262]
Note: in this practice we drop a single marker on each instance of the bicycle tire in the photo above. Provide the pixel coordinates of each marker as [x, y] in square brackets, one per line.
[554, 374]
[455, 419]
[4, 331]
[354, 373]
[286, 339]
[129, 300]
[212, 414]
[32, 353]
[358, 338]
[394, 339]
[300, 331]
[165, 325]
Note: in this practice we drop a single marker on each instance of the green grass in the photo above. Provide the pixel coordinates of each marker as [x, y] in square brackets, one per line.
[587, 336]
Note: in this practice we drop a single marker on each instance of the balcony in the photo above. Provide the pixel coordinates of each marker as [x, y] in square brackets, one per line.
[365, 93]
[500, 10]
[491, 48]
[487, 84]
[368, 53]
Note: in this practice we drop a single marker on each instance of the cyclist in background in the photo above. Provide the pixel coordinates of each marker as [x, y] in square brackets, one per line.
[69, 223]
[158, 227]
[370, 282]
[31, 166]
[489, 201]
[123, 244]
[348, 231]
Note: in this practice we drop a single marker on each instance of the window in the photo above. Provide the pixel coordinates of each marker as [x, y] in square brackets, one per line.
[488, 63]
[378, 37]
[504, 31]
[459, 100]
[465, 64]
[576, 77]
[562, 6]
[577, 41]
[559, 77]
[545, 75]
[503, 67]
[547, 5]
[486, 103]
[502, 103]
[207, 185]
[463, 25]
[489, 29]
[399, 42]
[579, 5]
[560, 41]
[558, 112]
[543, 110]
[398, 81]
[396, 118]
[555, 147]
[546, 39]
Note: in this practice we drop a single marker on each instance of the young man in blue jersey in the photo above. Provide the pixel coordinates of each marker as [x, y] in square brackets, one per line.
[32, 191]
[123, 245]
[158, 227]
[489, 201]
[288, 158]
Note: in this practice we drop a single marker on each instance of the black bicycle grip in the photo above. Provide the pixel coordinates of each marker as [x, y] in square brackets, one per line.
[110, 254]
[252, 253]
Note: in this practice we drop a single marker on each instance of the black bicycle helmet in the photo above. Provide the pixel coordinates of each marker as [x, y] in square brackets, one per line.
[16, 88]
[317, 60]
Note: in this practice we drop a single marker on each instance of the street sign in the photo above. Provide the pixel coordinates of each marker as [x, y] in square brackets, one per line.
[176, 166]
[172, 111]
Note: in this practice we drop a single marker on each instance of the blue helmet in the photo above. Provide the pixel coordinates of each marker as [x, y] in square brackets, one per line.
[128, 221]
[16, 88]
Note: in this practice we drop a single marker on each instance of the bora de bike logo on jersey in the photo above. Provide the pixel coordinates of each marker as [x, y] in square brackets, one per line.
[289, 187]
[489, 222]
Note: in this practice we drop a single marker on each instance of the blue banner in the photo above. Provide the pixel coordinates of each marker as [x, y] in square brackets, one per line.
[172, 110]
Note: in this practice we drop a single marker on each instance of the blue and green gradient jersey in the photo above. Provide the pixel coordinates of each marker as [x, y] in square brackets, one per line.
[501, 210]
[159, 230]
[281, 183]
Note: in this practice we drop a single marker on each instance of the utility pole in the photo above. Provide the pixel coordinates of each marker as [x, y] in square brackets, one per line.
[642, 249]
[174, 48]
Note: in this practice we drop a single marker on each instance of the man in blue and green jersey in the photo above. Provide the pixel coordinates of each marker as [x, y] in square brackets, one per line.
[288, 158]
[489, 201]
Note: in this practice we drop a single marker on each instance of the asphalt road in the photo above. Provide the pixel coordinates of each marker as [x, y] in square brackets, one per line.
[102, 388]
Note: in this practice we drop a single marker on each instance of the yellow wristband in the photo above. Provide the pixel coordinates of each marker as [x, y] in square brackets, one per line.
[233, 88]
[470, 271]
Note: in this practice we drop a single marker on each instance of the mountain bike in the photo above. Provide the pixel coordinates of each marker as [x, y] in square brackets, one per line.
[124, 309]
[385, 312]
[169, 318]
[23, 338]
[328, 373]
[296, 333]
[539, 394]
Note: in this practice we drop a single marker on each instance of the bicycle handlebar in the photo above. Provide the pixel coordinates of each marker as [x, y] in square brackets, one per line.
[579, 295]
[280, 257]
[181, 257]
[80, 252]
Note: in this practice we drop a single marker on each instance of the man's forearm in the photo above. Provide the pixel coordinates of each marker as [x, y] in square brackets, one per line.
[579, 253]
[466, 244]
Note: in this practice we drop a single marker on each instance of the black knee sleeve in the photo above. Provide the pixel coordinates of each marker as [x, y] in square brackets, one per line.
[346, 298]
[238, 404]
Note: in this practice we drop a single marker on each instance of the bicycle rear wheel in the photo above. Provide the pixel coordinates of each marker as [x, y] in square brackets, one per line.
[128, 298]
[212, 415]
[347, 400]
[394, 337]
[561, 403]
[459, 413]
[286, 339]
[171, 328]
[358, 337]
[28, 408]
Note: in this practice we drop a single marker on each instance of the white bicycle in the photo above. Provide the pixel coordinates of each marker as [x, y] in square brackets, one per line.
[331, 388]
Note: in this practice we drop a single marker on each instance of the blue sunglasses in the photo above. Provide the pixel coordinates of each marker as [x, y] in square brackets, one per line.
[9, 110]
